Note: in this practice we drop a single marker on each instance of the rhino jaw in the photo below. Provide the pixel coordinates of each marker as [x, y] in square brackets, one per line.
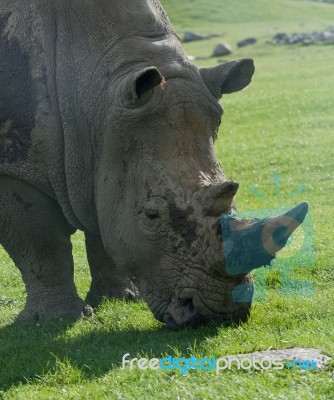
[250, 244]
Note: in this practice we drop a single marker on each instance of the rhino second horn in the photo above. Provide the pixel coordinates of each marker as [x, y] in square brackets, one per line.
[217, 199]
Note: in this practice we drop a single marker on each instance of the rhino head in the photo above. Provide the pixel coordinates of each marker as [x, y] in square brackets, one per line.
[162, 197]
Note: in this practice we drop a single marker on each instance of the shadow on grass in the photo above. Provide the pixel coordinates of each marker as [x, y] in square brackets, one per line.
[29, 351]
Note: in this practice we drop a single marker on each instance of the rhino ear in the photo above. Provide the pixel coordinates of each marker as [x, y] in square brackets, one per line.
[229, 77]
[144, 82]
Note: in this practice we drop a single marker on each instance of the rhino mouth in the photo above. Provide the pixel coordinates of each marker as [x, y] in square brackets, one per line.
[193, 318]
[194, 312]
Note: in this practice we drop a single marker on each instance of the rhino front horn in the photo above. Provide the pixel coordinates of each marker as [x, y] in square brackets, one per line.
[277, 230]
[250, 244]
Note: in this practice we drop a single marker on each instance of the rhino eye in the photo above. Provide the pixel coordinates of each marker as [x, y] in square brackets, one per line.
[153, 212]
[152, 215]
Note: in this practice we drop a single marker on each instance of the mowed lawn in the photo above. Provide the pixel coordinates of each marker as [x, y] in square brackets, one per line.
[277, 141]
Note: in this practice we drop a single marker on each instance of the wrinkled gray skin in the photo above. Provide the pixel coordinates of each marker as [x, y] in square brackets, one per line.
[106, 127]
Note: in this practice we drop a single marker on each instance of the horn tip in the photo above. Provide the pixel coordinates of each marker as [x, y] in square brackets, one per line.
[299, 212]
[303, 207]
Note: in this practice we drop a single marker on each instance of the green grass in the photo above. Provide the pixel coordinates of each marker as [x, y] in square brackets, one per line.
[238, 20]
[282, 124]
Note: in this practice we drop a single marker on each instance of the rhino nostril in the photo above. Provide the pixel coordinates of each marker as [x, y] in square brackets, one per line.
[219, 231]
[189, 310]
[189, 316]
[171, 324]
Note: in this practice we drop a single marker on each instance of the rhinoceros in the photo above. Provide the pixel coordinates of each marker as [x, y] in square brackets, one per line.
[106, 127]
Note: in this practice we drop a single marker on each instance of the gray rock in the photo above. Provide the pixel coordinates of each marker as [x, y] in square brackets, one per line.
[222, 49]
[280, 38]
[318, 36]
[307, 41]
[328, 37]
[247, 42]
[303, 38]
[191, 37]
[214, 35]
[297, 353]
[295, 38]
